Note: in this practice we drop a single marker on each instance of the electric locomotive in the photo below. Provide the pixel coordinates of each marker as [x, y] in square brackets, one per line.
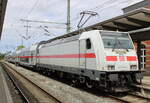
[105, 59]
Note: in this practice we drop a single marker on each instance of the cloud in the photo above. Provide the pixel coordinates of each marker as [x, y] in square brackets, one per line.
[51, 10]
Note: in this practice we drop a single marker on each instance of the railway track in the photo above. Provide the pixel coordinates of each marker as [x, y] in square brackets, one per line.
[12, 73]
[143, 87]
[21, 93]
[131, 98]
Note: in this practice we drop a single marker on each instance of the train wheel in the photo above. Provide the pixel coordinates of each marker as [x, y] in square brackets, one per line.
[74, 82]
[82, 80]
[61, 74]
[89, 83]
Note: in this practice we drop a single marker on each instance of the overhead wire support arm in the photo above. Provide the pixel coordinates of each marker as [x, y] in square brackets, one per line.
[45, 28]
[80, 21]
[86, 20]
[39, 21]
[90, 13]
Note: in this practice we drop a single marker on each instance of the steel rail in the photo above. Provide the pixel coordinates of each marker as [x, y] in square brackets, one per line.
[139, 96]
[118, 99]
[23, 96]
[142, 87]
[57, 100]
[50, 95]
[130, 101]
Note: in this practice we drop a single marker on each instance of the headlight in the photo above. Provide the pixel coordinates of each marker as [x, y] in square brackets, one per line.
[133, 67]
[111, 67]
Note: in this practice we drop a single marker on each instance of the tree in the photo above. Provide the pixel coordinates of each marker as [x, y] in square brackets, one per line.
[20, 47]
[2, 56]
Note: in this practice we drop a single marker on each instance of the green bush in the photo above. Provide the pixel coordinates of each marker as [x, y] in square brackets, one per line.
[2, 56]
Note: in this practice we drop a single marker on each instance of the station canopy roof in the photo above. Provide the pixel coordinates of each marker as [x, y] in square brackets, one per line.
[136, 22]
[3, 4]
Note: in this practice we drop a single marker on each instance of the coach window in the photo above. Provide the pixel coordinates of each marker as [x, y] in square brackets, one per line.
[88, 44]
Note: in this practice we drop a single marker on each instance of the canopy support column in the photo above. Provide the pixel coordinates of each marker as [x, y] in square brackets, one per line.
[139, 44]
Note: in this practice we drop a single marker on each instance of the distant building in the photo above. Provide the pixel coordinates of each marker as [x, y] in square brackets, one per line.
[145, 55]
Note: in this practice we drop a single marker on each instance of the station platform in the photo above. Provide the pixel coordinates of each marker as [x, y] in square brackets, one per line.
[146, 80]
[5, 96]
[146, 72]
[147, 69]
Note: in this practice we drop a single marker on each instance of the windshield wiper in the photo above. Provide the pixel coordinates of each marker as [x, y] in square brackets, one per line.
[118, 42]
[114, 44]
[122, 46]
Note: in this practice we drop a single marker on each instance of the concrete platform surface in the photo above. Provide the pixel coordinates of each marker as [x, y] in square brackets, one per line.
[147, 69]
[146, 80]
[146, 72]
[5, 96]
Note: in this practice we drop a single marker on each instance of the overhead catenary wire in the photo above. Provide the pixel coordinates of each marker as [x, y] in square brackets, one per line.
[39, 21]
[22, 12]
[19, 11]
[94, 7]
[33, 7]
[102, 7]
[36, 20]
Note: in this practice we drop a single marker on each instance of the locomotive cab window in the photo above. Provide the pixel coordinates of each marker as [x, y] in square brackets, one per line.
[88, 44]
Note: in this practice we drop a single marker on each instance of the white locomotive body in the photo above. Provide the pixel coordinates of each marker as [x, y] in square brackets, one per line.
[97, 58]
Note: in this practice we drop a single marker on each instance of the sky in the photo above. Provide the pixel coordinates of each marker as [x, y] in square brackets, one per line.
[15, 31]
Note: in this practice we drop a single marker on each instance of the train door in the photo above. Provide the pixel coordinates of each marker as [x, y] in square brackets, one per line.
[90, 61]
[82, 52]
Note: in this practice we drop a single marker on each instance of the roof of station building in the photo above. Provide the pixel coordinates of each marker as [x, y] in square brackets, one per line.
[3, 4]
[138, 19]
